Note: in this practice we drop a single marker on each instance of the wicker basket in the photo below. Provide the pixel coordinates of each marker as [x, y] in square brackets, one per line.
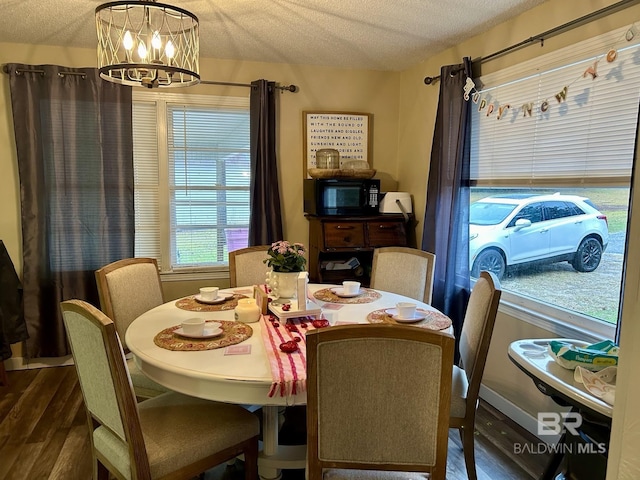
[338, 173]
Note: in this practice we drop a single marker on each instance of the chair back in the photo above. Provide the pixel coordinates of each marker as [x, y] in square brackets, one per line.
[106, 387]
[477, 329]
[378, 399]
[405, 271]
[127, 289]
[246, 266]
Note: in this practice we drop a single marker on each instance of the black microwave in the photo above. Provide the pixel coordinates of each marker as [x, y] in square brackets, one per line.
[333, 196]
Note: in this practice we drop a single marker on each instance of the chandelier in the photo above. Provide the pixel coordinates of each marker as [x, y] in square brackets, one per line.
[147, 43]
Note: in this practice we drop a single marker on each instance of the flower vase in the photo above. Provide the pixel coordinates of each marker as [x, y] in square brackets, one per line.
[283, 284]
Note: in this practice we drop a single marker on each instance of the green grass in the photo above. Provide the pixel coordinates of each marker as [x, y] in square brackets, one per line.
[617, 221]
[606, 315]
[614, 203]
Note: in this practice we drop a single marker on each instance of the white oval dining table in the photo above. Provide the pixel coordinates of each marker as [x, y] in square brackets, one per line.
[243, 379]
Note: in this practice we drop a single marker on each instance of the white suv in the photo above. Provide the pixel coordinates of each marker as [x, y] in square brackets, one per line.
[507, 230]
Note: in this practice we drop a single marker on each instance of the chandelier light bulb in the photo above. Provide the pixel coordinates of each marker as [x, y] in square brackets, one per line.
[142, 51]
[127, 41]
[156, 41]
[147, 43]
[169, 49]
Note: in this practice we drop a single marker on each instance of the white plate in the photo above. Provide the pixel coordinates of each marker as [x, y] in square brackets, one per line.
[219, 299]
[419, 315]
[341, 293]
[208, 333]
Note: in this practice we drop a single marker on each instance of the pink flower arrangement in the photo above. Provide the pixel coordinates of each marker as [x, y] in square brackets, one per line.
[286, 257]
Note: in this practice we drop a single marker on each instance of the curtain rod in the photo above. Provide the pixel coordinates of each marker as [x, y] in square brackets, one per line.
[549, 33]
[289, 88]
[20, 71]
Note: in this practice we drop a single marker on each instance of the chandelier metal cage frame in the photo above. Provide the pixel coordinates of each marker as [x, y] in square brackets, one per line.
[142, 42]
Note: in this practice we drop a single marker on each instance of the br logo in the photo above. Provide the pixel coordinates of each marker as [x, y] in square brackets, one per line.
[552, 423]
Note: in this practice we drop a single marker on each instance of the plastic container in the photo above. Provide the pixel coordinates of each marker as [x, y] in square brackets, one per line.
[355, 165]
[328, 158]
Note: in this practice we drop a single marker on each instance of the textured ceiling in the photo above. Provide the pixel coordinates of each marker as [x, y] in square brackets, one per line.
[370, 34]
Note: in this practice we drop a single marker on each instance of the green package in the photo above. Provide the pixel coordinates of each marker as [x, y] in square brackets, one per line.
[592, 357]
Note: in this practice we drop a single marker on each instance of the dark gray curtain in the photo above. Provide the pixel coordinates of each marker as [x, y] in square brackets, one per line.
[13, 328]
[446, 223]
[75, 160]
[265, 222]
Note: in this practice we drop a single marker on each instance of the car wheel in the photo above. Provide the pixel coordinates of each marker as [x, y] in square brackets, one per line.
[490, 260]
[588, 256]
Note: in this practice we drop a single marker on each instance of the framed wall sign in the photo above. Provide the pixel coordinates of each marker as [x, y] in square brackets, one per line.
[347, 132]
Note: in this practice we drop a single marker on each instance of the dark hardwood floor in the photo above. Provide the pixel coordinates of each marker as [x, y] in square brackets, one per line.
[43, 435]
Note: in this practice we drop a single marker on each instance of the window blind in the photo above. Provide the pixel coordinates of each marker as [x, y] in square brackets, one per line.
[585, 135]
[192, 177]
[146, 181]
[209, 169]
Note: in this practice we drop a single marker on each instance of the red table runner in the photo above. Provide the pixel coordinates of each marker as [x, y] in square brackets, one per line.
[289, 370]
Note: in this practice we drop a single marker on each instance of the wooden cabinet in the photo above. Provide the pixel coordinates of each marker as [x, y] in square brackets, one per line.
[334, 240]
[342, 235]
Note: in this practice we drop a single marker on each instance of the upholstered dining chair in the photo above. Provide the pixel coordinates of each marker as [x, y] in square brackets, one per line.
[475, 338]
[246, 266]
[169, 436]
[127, 289]
[405, 271]
[378, 399]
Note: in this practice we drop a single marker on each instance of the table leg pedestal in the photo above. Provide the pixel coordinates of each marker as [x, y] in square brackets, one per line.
[274, 457]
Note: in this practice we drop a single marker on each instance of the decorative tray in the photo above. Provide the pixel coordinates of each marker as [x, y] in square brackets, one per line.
[341, 173]
[312, 309]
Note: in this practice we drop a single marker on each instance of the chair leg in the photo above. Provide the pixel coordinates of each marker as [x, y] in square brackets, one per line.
[251, 460]
[468, 447]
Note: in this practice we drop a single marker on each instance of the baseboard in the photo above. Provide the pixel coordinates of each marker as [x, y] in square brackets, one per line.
[515, 413]
[21, 363]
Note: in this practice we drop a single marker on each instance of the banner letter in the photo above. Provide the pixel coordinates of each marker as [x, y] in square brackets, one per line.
[503, 109]
[490, 109]
[468, 86]
[562, 95]
[592, 70]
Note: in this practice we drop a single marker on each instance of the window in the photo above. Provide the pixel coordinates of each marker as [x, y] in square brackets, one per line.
[192, 177]
[552, 147]
[533, 213]
[559, 210]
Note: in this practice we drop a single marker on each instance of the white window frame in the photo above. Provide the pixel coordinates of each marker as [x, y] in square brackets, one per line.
[161, 100]
[559, 321]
